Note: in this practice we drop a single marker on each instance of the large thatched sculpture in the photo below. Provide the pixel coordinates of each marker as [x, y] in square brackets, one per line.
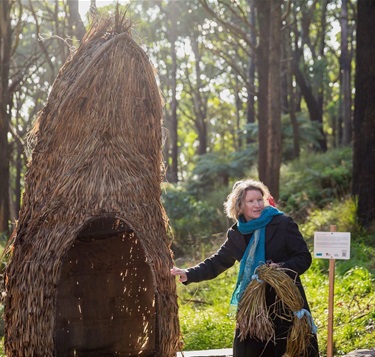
[89, 272]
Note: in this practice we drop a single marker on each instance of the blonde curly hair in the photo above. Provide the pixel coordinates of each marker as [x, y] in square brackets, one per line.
[233, 204]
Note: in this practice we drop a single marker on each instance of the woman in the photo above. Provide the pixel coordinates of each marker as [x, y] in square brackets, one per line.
[262, 234]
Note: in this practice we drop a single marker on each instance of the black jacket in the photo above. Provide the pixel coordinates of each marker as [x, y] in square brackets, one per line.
[284, 244]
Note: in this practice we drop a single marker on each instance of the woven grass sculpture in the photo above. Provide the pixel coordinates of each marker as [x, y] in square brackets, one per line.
[254, 318]
[92, 206]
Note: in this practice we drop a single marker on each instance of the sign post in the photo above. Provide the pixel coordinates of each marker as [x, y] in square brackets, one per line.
[331, 299]
[331, 245]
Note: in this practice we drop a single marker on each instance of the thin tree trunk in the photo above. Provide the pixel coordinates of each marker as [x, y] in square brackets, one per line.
[238, 139]
[263, 16]
[345, 76]
[292, 97]
[76, 26]
[173, 121]
[250, 113]
[364, 114]
[313, 102]
[321, 74]
[5, 105]
[274, 152]
[199, 101]
[20, 163]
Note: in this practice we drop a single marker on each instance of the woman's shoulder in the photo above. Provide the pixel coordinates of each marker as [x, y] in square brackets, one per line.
[282, 219]
[235, 242]
[234, 236]
[233, 230]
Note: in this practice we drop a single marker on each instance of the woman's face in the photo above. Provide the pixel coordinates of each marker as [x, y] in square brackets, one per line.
[252, 205]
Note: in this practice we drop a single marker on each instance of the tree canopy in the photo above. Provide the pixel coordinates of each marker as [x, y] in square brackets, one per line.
[248, 84]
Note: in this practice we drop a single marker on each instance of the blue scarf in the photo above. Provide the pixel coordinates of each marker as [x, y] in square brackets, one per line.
[255, 253]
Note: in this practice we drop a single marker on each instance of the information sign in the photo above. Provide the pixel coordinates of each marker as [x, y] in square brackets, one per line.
[332, 245]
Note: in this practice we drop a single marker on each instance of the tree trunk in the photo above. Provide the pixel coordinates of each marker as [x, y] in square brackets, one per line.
[313, 106]
[238, 139]
[76, 26]
[274, 149]
[292, 96]
[250, 105]
[364, 114]
[173, 177]
[263, 16]
[173, 122]
[171, 144]
[5, 105]
[199, 101]
[321, 74]
[346, 100]
[313, 101]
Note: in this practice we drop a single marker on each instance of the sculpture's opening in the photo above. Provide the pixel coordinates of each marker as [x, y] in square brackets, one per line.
[106, 296]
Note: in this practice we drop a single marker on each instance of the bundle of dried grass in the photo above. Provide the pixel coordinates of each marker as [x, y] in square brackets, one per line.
[254, 317]
[96, 169]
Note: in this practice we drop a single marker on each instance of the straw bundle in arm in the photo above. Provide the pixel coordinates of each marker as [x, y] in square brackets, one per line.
[253, 316]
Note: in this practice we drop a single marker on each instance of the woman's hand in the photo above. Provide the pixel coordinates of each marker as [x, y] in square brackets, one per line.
[179, 272]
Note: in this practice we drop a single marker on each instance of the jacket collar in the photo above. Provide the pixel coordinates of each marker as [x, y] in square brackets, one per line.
[270, 229]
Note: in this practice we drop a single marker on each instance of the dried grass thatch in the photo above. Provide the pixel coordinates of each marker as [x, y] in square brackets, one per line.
[254, 318]
[91, 242]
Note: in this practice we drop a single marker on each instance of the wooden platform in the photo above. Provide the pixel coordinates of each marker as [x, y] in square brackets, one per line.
[228, 352]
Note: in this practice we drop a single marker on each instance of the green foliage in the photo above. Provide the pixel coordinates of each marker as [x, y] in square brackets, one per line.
[191, 219]
[342, 214]
[206, 328]
[215, 170]
[309, 134]
[315, 181]
[353, 306]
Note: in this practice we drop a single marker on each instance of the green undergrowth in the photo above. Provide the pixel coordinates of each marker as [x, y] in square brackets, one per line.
[204, 312]
[206, 324]
[315, 181]
[204, 307]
